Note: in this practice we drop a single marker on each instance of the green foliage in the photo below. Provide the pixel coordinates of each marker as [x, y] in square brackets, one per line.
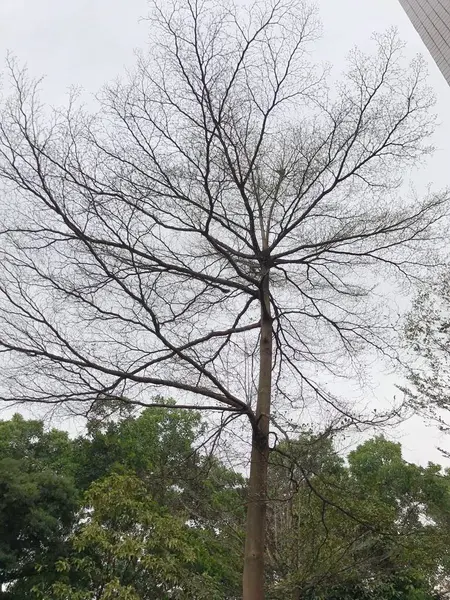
[405, 586]
[125, 485]
[38, 502]
[27, 440]
[157, 444]
[128, 547]
[157, 447]
[130, 511]
[365, 530]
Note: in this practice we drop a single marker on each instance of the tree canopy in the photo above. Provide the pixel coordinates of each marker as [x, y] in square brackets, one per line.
[224, 226]
[369, 526]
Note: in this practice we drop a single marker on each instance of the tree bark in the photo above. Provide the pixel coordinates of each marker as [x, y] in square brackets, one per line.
[253, 578]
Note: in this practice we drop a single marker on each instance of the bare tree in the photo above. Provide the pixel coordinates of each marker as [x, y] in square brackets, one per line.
[222, 226]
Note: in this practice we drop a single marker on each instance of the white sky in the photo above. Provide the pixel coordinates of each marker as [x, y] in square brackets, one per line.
[88, 42]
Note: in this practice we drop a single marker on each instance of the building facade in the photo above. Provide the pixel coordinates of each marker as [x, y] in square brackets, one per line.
[431, 18]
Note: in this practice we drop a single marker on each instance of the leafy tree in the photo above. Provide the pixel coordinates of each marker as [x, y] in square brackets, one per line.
[215, 228]
[127, 547]
[157, 443]
[37, 511]
[158, 446]
[41, 472]
[373, 528]
[427, 337]
[38, 501]
[28, 440]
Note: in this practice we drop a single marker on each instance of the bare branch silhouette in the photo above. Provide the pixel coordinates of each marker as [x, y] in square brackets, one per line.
[224, 226]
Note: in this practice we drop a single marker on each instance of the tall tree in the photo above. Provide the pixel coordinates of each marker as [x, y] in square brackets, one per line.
[215, 228]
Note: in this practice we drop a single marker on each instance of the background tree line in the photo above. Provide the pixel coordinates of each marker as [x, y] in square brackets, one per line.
[130, 510]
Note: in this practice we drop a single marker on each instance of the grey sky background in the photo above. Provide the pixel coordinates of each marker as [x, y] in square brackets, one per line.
[89, 42]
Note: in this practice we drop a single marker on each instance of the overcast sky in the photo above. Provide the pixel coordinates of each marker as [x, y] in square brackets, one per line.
[88, 42]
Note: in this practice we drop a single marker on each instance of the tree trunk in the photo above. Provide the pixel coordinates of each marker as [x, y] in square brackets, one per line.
[253, 579]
